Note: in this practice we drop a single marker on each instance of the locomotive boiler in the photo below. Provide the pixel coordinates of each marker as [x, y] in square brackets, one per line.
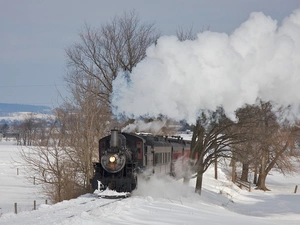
[122, 156]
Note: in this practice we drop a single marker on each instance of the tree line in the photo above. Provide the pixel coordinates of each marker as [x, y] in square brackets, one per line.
[64, 152]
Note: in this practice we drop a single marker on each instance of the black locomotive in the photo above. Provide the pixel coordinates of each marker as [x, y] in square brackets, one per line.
[123, 155]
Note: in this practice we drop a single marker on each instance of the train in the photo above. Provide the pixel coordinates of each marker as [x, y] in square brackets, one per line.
[123, 157]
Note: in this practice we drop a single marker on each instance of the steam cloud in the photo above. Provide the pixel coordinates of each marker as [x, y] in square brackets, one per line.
[260, 59]
[153, 127]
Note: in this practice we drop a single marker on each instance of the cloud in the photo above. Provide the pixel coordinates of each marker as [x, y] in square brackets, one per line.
[177, 79]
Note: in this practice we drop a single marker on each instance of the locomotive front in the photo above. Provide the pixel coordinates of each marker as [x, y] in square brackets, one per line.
[116, 169]
[114, 158]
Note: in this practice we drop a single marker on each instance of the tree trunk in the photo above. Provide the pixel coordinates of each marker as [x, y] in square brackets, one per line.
[261, 185]
[255, 175]
[245, 172]
[262, 181]
[199, 183]
[216, 166]
[233, 171]
[199, 180]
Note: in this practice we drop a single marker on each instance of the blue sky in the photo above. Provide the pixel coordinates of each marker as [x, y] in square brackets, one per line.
[35, 33]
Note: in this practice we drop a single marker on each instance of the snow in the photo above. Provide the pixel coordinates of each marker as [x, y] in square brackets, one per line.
[19, 116]
[110, 193]
[160, 200]
[14, 186]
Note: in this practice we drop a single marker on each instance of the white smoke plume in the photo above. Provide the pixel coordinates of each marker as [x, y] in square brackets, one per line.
[260, 59]
[153, 127]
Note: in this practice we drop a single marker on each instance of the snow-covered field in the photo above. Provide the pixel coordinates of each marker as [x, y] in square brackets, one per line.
[159, 201]
[14, 186]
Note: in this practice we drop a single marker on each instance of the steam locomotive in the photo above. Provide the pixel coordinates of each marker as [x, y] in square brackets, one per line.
[122, 156]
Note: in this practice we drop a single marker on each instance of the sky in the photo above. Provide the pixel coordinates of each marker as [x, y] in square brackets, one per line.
[161, 201]
[35, 33]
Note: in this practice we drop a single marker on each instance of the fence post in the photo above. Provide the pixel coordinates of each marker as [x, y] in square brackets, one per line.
[16, 208]
[296, 187]
[33, 180]
[46, 201]
[34, 205]
[17, 171]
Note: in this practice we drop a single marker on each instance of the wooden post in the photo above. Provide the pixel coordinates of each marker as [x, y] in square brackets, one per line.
[17, 171]
[296, 187]
[33, 180]
[34, 205]
[46, 201]
[16, 208]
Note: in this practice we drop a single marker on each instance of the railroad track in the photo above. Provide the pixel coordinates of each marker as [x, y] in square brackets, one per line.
[100, 206]
[55, 214]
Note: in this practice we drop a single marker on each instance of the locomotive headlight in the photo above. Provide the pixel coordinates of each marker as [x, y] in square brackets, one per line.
[113, 163]
[112, 159]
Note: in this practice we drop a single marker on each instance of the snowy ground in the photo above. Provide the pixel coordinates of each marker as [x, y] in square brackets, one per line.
[14, 186]
[159, 201]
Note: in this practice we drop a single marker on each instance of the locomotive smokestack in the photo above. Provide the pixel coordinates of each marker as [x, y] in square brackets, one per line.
[114, 139]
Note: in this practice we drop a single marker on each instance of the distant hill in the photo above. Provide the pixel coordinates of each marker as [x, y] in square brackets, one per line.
[6, 109]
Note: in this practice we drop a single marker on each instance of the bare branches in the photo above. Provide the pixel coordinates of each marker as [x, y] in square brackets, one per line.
[268, 142]
[212, 138]
[102, 53]
[257, 140]
[50, 167]
[188, 34]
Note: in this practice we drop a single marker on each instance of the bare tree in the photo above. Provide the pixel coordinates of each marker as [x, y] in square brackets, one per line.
[246, 152]
[188, 34]
[274, 142]
[183, 34]
[83, 123]
[50, 167]
[104, 52]
[29, 129]
[267, 145]
[212, 138]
